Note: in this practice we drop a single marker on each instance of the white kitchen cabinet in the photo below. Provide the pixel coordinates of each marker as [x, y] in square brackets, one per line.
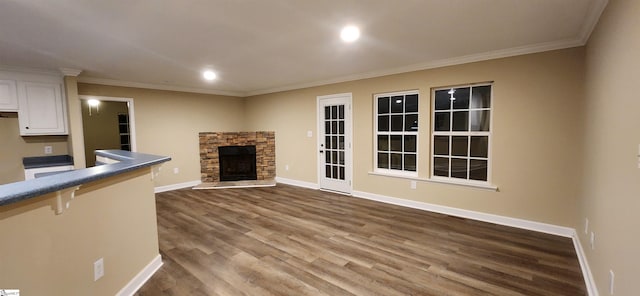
[8, 96]
[42, 109]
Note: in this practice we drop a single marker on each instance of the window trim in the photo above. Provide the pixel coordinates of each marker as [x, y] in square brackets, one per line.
[432, 133]
[392, 172]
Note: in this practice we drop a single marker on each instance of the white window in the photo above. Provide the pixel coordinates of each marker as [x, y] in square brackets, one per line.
[461, 133]
[396, 133]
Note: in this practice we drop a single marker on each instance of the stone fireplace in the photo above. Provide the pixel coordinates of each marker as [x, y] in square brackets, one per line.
[236, 143]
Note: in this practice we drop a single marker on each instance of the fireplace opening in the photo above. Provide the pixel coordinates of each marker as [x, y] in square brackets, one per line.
[237, 163]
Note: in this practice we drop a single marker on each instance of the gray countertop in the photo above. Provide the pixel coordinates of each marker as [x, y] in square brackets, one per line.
[46, 161]
[129, 161]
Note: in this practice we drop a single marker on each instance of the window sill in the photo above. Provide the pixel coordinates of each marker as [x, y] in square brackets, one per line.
[440, 181]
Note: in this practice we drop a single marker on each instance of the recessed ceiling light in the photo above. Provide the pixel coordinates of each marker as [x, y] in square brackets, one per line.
[93, 102]
[350, 33]
[209, 75]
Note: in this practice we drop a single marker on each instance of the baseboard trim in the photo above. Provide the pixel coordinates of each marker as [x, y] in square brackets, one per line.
[176, 186]
[297, 183]
[142, 277]
[491, 218]
[592, 290]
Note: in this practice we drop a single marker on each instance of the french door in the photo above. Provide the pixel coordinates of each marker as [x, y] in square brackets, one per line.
[334, 142]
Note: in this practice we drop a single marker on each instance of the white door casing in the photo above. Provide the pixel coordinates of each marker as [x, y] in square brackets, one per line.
[334, 143]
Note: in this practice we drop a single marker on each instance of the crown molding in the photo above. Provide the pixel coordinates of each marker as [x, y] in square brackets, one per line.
[159, 86]
[70, 72]
[30, 70]
[490, 55]
[593, 16]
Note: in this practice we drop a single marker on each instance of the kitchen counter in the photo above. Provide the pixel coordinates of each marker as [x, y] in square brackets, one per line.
[125, 161]
[47, 161]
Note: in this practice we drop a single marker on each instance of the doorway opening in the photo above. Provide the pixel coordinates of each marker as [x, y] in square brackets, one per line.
[107, 123]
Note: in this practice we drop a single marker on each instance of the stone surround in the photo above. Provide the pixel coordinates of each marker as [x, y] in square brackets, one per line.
[265, 143]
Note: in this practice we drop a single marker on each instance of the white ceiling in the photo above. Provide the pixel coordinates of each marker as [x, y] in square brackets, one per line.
[261, 46]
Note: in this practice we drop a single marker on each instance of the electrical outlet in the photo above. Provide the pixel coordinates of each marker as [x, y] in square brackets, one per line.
[286, 167]
[48, 149]
[611, 278]
[98, 269]
[412, 185]
[309, 134]
[592, 241]
[586, 225]
[176, 170]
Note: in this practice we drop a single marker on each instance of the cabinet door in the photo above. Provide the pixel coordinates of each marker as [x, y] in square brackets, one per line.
[42, 110]
[8, 96]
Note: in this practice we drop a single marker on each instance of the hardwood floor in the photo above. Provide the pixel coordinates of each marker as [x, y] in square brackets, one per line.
[287, 240]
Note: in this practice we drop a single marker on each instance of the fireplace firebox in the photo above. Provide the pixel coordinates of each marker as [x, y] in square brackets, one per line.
[237, 163]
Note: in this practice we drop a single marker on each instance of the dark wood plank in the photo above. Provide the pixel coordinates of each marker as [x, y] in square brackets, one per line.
[286, 240]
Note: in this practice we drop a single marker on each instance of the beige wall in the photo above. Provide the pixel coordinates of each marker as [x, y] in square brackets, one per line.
[48, 254]
[168, 123]
[14, 148]
[74, 114]
[536, 149]
[611, 185]
[101, 127]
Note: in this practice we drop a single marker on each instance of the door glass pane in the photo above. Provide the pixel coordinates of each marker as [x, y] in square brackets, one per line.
[411, 103]
[441, 145]
[334, 127]
[459, 168]
[478, 170]
[383, 123]
[411, 123]
[327, 112]
[341, 157]
[341, 171]
[441, 166]
[462, 98]
[459, 145]
[396, 161]
[396, 143]
[334, 157]
[479, 120]
[396, 123]
[383, 105]
[383, 160]
[441, 122]
[334, 142]
[327, 127]
[327, 142]
[397, 104]
[327, 157]
[341, 112]
[410, 162]
[334, 172]
[341, 142]
[327, 171]
[410, 143]
[481, 97]
[341, 127]
[461, 121]
[383, 143]
[442, 101]
[334, 112]
[479, 146]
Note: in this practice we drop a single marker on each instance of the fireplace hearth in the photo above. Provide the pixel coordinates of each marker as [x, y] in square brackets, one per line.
[238, 170]
[237, 163]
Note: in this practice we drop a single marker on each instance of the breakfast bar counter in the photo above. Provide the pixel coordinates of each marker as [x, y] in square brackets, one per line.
[88, 231]
[122, 161]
